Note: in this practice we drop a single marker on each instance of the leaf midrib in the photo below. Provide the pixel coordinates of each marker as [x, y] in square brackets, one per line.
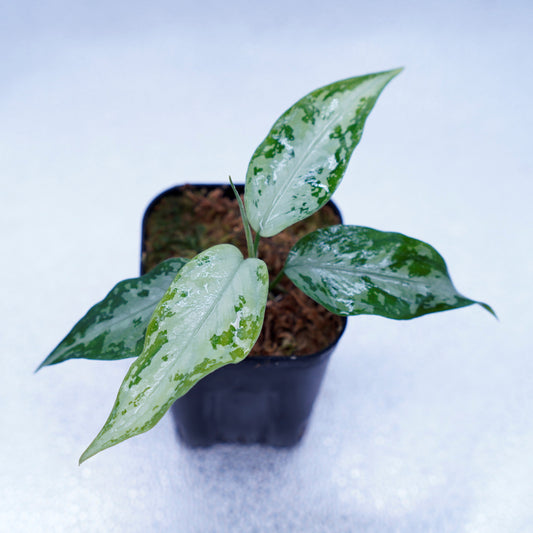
[295, 171]
[213, 305]
[155, 388]
[308, 265]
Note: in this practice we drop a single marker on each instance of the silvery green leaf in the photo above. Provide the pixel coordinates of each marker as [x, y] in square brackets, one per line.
[210, 316]
[298, 166]
[115, 327]
[352, 270]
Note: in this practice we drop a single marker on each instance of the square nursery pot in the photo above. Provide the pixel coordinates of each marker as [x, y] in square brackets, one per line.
[263, 399]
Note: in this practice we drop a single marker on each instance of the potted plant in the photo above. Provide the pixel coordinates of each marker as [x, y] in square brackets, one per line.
[184, 319]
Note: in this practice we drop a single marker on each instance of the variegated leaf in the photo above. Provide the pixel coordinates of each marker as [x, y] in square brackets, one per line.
[115, 327]
[211, 316]
[352, 270]
[298, 166]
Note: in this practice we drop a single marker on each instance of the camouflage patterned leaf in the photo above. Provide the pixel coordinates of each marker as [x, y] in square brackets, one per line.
[211, 316]
[352, 270]
[115, 327]
[298, 166]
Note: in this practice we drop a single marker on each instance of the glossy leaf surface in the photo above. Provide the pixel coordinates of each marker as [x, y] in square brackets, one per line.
[298, 166]
[353, 270]
[211, 315]
[115, 327]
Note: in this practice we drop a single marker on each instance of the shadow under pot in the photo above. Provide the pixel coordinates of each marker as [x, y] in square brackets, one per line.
[264, 399]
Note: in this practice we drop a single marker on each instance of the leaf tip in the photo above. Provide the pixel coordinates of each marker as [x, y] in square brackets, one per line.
[84, 456]
[46, 362]
[489, 309]
[91, 450]
[391, 74]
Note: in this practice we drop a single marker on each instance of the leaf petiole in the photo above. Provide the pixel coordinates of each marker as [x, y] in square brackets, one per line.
[256, 243]
[277, 279]
[252, 250]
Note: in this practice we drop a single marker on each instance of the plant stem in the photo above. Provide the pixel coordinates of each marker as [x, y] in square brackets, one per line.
[256, 243]
[252, 252]
[277, 279]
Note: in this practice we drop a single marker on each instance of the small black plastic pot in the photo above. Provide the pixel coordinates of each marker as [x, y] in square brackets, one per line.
[261, 400]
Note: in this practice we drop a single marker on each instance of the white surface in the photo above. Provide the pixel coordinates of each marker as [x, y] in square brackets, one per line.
[420, 426]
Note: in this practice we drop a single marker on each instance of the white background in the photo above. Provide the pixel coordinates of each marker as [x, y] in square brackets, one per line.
[420, 426]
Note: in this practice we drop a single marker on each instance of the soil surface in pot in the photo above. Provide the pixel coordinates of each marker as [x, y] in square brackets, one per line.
[185, 224]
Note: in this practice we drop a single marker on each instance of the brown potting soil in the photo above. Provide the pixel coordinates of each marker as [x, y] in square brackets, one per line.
[185, 224]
